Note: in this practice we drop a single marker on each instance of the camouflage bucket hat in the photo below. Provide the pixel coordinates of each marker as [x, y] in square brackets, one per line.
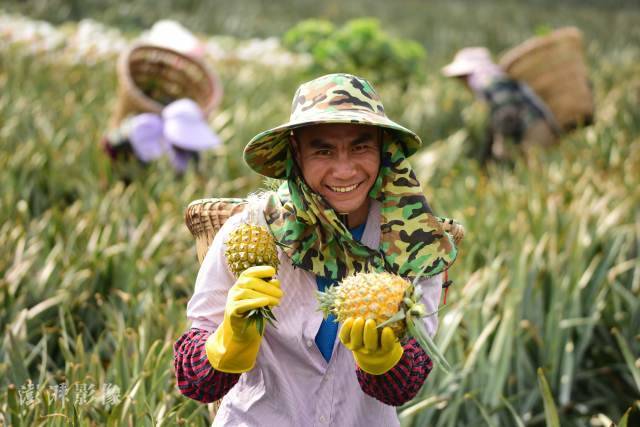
[334, 98]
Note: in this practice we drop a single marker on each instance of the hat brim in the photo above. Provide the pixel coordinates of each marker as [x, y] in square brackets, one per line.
[267, 152]
[192, 135]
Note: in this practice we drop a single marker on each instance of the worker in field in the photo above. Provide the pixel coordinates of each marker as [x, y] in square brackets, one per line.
[350, 203]
[518, 118]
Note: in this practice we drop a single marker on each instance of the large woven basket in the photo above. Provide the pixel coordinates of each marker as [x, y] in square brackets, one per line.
[554, 67]
[205, 217]
[150, 77]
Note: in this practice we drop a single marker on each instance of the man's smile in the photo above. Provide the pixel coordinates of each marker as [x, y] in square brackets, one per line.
[346, 189]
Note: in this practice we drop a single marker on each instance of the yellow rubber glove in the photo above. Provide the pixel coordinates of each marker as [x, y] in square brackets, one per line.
[375, 352]
[234, 346]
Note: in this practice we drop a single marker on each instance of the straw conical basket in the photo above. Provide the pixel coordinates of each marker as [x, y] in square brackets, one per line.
[554, 67]
[150, 77]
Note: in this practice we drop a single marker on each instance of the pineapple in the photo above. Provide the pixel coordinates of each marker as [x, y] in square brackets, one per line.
[248, 245]
[386, 298]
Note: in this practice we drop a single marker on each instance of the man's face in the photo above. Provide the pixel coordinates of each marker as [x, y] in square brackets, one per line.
[341, 163]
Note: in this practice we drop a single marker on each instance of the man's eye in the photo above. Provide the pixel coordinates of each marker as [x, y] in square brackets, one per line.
[323, 152]
[361, 147]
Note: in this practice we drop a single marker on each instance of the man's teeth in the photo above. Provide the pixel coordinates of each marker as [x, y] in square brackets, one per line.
[344, 189]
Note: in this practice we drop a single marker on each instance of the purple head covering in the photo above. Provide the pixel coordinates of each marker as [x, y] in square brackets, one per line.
[181, 131]
[146, 137]
[186, 128]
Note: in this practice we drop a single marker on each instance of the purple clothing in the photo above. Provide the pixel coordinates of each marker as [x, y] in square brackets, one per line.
[181, 132]
[292, 384]
[482, 76]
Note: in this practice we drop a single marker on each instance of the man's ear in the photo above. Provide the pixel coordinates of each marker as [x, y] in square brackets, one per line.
[295, 147]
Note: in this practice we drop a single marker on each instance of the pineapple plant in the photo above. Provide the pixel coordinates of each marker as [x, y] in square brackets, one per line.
[251, 244]
[388, 299]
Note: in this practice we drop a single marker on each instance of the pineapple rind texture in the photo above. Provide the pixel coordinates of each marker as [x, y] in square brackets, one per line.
[376, 296]
[250, 245]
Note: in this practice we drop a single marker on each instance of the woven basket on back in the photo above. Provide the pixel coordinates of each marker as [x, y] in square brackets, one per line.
[554, 67]
[205, 217]
[150, 77]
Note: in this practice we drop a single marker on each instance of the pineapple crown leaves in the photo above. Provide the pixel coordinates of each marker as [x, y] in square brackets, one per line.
[255, 205]
[417, 329]
[326, 300]
[254, 317]
[411, 306]
[413, 296]
[258, 316]
[400, 315]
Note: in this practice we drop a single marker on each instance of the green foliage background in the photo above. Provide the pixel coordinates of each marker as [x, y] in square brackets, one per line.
[95, 275]
[360, 46]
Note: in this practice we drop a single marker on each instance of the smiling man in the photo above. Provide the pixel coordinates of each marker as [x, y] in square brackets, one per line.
[340, 162]
[350, 203]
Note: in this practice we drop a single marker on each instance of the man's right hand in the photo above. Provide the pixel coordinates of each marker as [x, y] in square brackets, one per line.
[250, 292]
[233, 347]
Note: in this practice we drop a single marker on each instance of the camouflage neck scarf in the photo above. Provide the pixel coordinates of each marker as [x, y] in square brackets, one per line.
[412, 239]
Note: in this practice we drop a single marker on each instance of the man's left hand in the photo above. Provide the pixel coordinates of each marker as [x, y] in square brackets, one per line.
[375, 351]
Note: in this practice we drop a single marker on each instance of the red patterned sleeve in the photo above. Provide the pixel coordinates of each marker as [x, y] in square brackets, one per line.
[400, 384]
[195, 376]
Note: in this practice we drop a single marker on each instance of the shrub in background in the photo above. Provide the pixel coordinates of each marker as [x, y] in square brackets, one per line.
[360, 47]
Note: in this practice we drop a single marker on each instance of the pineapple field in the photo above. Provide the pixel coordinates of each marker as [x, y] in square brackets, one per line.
[541, 325]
